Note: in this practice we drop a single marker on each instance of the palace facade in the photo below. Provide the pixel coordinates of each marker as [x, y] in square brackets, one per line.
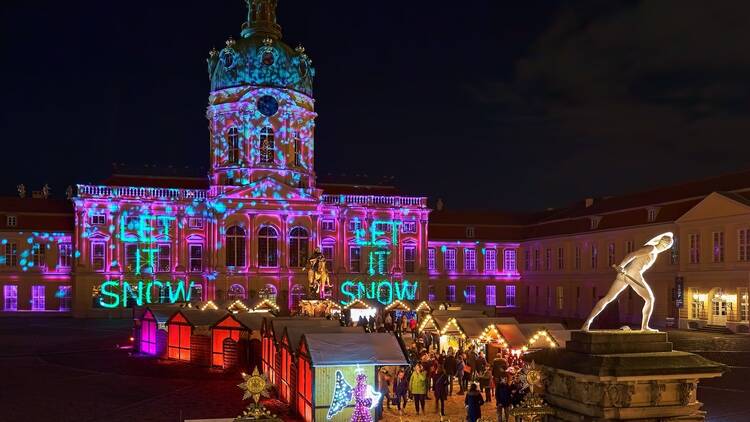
[248, 228]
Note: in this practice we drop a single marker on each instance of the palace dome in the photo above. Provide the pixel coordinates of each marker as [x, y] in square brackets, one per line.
[260, 57]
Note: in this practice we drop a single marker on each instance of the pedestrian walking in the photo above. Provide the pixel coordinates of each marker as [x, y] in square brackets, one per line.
[418, 387]
[401, 390]
[440, 387]
[473, 402]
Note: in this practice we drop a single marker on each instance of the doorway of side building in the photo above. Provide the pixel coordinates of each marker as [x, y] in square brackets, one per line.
[719, 308]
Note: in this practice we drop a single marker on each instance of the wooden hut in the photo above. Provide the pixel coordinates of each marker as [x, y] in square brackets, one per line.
[152, 332]
[544, 336]
[321, 356]
[288, 349]
[237, 332]
[359, 307]
[319, 308]
[190, 335]
[271, 332]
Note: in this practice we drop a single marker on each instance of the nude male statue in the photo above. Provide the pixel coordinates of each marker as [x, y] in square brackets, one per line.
[630, 273]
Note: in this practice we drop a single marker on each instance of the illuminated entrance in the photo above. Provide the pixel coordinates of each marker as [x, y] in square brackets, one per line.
[720, 307]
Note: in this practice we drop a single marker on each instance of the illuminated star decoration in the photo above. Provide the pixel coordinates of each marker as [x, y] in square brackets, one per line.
[342, 395]
[254, 385]
[531, 377]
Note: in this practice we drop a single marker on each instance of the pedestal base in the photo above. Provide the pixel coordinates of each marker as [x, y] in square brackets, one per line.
[623, 375]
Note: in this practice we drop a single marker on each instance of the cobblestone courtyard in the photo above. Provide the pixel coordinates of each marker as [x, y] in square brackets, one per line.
[71, 370]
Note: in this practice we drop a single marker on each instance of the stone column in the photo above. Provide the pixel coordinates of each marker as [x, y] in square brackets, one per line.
[252, 259]
[284, 244]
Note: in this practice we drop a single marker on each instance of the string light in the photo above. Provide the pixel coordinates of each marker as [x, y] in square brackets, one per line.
[342, 395]
[542, 334]
[454, 323]
[209, 305]
[400, 304]
[268, 303]
[423, 306]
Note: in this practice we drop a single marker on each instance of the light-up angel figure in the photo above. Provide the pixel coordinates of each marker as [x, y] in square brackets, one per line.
[630, 273]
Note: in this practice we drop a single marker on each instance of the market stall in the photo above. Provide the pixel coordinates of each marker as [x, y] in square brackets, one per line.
[150, 331]
[190, 335]
[235, 340]
[319, 308]
[357, 308]
[329, 365]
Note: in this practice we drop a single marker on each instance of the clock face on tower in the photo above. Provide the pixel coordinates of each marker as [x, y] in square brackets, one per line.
[267, 105]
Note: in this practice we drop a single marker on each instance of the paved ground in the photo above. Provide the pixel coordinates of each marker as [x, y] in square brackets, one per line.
[72, 370]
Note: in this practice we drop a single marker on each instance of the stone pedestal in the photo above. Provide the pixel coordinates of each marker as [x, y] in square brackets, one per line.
[623, 375]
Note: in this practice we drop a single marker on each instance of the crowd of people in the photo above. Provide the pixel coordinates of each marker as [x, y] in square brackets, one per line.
[434, 376]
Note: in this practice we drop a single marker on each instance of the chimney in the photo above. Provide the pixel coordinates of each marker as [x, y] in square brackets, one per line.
[589, 202]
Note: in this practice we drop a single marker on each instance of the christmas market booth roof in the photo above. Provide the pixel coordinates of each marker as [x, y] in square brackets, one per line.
[162, 313]
[279, 324]
[198, 318]
[474, 327]
[295, 332]
[512, 335]
[341, 349]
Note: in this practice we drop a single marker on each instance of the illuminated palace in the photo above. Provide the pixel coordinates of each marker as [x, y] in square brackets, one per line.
[249, 228]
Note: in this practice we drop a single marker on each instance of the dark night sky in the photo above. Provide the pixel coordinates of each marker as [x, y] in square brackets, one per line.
[488, 104]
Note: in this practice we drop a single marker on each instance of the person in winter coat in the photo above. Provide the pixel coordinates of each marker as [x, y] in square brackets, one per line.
[440, 387]
[450, 370]
[484, 379]
[460, 373]
[473, 402]
[384, 386]
[401, 390]
[413, 328]
[503, 396]
[418, 387]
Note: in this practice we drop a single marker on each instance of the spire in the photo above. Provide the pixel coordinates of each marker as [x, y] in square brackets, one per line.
[261, 19]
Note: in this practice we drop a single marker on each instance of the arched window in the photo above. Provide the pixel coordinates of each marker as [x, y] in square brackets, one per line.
[268, 292]
[296, 295]
[235, 247]
[233, 145]
[268, 240]
[235, 292]
[297, 150]
[267, 145]
[298, 240]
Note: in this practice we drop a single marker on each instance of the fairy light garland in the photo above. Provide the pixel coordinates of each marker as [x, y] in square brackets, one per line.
[453, 322]
[268, 303]
[396, 303]
[487, 337]
[539, 335]
[423, 307]
[210, 305]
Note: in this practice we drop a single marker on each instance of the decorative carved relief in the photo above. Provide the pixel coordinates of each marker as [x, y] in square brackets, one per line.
[620, 395]
[591, 393]
[687, 392]
[656, 391]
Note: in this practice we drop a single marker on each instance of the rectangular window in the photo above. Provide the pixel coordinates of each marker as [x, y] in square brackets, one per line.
[536, 260]
[548, 259]
[510, 260]
[328, 225]
[37, 298]
[471, 294]
[577, 263]
[10, 298]
[490, 260]
[98, 219]
[718, 250]
[510, 295]
[328, 250]
[431, 296]
[409, 227]
[297, 151]
[594, 257]
[410, 258]
[431, 259]
[355, 259]
[97, 256]
[195, 223]
[196, 257]
[489, 296]
[470, 259]
[674, 256]
[11, 254]
[383, 227]
[355, 224]
[65, 294]
[165, 258]
[560, 258]
[695, 248]
[38, 255]
[450, 259]
[629, 246]
[11, 221]
[470, 232]
[744, 302]
[527, 260]
[743, 247]
[131, 258]
[65, 255]
[559, 297]
[611, 254]
[450, 293]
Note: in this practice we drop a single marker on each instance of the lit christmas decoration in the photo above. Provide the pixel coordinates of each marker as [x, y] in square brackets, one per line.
[365, 398]
[342, 395]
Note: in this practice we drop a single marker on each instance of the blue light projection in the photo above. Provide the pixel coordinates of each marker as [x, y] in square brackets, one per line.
[114, 295]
